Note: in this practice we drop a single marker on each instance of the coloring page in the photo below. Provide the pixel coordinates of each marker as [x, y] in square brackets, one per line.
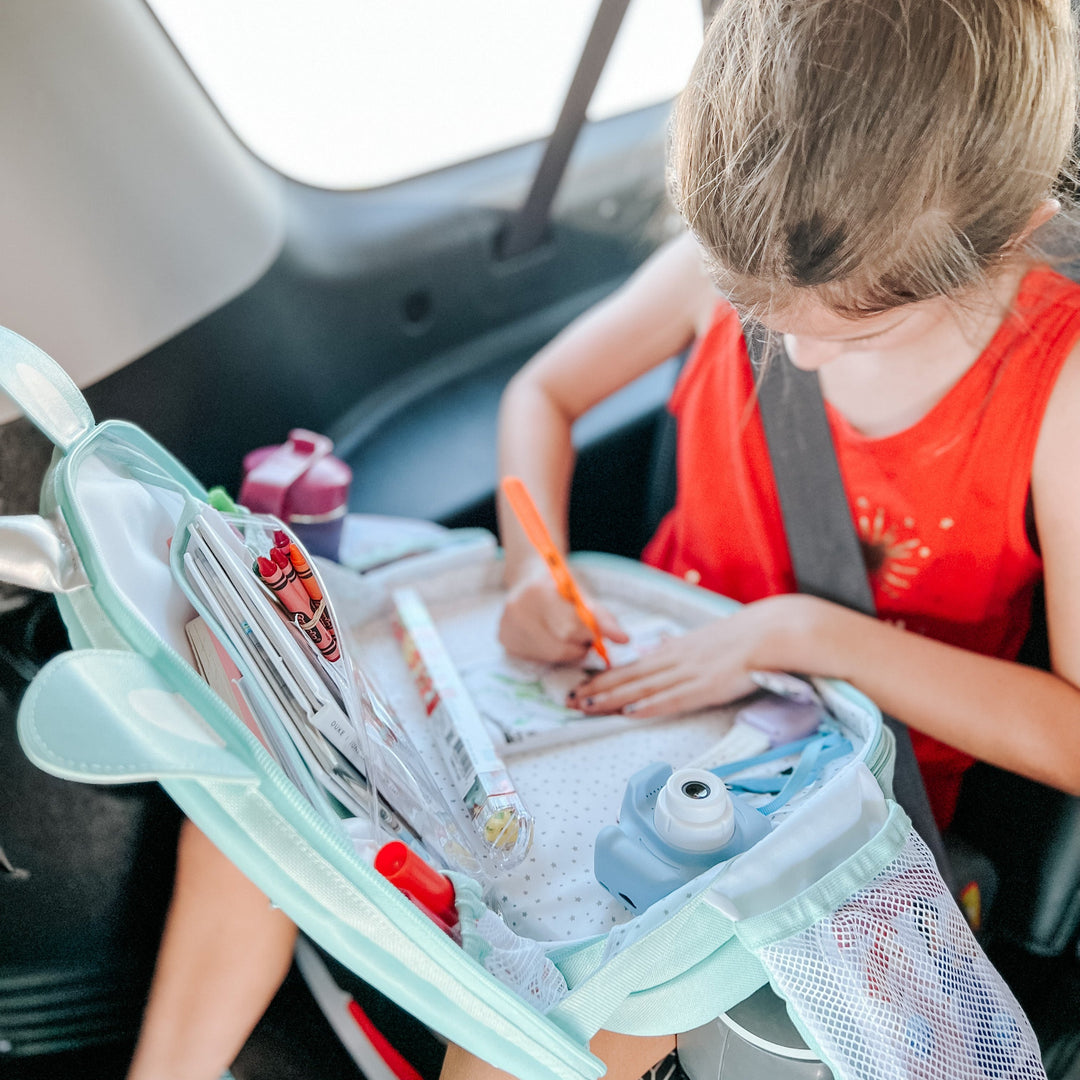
[524, 702]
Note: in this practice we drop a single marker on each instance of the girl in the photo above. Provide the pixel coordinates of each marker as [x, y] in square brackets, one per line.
[862, 177]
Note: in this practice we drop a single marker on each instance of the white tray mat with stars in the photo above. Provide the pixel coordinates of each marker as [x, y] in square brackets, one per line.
[573, 789]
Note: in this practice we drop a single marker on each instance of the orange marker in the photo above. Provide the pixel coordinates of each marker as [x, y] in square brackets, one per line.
[535, 529]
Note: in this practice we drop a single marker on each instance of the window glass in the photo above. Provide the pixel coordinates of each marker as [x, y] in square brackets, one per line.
[356, 93]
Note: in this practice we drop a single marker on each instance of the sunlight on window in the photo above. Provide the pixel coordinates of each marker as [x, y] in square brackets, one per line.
[356, 93]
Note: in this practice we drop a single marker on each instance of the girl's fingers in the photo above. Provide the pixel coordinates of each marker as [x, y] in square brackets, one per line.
[609, 625]
[617, 698]
[564, 625]
[675, 699]
[539, 624]
[535, 640]
[543, 648]
[605, 681]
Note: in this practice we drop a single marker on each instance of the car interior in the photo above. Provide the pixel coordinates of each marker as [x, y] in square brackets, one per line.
[192, 288]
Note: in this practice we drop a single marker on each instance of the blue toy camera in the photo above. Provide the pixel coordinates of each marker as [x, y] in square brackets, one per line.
[672, 827]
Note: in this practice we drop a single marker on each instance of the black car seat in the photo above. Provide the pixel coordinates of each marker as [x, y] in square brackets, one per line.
[85, 870]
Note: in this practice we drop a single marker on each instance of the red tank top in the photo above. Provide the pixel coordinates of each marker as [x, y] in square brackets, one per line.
[939, 507]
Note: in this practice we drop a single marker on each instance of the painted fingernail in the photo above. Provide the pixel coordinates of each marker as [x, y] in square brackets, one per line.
[588, 702]
[628, 710]
[572, 696]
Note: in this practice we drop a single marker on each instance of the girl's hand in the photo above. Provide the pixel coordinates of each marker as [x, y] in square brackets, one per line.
[538, 624]
[708, 666]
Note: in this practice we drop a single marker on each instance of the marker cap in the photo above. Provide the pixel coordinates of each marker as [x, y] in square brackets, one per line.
[403, 868]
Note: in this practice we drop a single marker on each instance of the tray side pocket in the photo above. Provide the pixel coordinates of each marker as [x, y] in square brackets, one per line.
[889, 981]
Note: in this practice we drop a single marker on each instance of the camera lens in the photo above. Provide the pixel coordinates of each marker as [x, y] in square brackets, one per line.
[695, 789]
[694, 811]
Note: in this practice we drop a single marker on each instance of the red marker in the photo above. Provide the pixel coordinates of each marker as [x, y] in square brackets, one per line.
[427, 888]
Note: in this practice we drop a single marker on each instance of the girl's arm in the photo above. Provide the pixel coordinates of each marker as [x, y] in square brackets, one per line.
[1019, 718]
[1023, 719]
[651, 318]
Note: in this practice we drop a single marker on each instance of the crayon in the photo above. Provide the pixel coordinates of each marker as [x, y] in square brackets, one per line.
[278, 583]
[290, 589]
[295, 601]
[280, 559]
[308, 587]
[311, 586]
[281, 540]
[304, 573]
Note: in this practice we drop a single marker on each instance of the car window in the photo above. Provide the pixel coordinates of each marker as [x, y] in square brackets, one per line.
[358, 93]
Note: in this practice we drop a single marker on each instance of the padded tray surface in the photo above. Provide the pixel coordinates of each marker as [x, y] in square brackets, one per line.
[575, 789]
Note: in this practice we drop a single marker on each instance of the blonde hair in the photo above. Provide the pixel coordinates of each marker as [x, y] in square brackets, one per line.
[871, 152]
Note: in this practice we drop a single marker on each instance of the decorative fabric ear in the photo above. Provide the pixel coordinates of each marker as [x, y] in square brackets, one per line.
[134, 725]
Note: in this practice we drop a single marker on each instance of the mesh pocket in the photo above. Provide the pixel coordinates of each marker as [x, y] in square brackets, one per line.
[893, 985]
[517, 962]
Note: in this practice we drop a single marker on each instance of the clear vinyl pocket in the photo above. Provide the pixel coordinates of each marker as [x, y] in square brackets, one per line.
[885, 979]
[305, 694]
[130, 506]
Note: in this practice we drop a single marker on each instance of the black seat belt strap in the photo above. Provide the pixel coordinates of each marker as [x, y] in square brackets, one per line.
[822, 541]
[526, 228]
[824, 549]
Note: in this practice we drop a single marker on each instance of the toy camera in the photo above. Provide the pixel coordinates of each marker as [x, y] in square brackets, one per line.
[672, 827]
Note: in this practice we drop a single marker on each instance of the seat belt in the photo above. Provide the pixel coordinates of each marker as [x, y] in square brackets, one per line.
[821, 537]
[526, 229]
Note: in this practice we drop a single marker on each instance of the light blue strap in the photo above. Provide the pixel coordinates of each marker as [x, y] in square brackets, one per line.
[816, 754]
[775, 754]
[43, 390]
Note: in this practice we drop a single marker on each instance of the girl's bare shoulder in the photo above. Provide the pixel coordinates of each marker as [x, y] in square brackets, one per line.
[1058, 450]
[695, 293]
